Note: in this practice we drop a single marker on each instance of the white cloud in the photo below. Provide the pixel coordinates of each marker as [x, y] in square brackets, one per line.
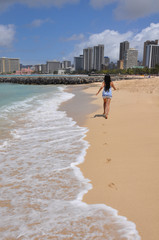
[149, 33]
[100, 3]
[36, 3]
[57, 3]
[111, 40]
[39, 22]
[129, 9]
[74, 37]
[7, 33]
[125, 9]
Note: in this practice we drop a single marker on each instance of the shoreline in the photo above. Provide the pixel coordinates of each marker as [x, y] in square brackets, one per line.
[121, 161]
[80, 105]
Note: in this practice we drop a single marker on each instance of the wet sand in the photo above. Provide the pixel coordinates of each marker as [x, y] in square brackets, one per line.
[122, 161]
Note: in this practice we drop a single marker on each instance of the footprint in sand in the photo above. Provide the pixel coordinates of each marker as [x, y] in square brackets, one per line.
[108, 160]
[113, 186]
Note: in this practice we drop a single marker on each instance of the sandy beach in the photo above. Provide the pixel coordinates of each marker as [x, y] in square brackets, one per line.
[122, 160]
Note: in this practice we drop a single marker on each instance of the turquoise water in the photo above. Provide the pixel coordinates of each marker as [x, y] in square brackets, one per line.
[10, 93]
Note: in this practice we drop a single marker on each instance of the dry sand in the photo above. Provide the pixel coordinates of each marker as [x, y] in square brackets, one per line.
[122, 161]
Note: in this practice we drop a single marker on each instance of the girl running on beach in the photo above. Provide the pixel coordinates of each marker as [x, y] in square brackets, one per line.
[107, 84]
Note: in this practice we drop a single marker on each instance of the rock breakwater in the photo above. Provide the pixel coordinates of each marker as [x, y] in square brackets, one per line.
[70, 79]
[44, 80]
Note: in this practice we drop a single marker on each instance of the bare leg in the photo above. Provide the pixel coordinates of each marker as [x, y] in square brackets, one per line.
[107, 107]
[104, 106]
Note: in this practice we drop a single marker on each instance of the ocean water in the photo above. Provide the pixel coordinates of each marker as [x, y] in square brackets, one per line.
[41, 186]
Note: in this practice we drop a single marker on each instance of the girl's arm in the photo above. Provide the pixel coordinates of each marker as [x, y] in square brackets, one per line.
[100, 89]
[112, 85]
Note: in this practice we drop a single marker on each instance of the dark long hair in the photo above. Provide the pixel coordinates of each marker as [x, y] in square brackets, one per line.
[107, 81]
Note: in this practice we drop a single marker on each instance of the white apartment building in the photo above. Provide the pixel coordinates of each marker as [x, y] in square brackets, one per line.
[130, 59]
[9, 65]
[98, 57]
[53, 66]
[66, 64]
[88, 58]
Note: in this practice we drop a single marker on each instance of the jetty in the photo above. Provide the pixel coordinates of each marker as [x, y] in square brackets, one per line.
[44, 80]
[55, 79]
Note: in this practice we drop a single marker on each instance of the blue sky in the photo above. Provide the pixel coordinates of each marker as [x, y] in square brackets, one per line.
[39, 30]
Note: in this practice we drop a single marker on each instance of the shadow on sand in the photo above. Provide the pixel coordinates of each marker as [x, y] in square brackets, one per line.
[99, 115]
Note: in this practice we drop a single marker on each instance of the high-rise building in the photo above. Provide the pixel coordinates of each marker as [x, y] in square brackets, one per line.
[124, 46]
[130, 59]
[98, 57]
[4, 65]
[37, 68]
[53, 66]
[148, 42]
[88, 58]
[43, 68]
[9, 65]
[152, 55]
[14, 64]
[78, 62]
[66, 64]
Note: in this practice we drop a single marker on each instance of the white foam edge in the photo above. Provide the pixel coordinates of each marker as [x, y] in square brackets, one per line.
[130, 227]
[78, 173]
[68, 95]
[65, 97]
[80, 159]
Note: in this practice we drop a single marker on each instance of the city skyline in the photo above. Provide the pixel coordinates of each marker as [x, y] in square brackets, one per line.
[93, 59]
[37, 31]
